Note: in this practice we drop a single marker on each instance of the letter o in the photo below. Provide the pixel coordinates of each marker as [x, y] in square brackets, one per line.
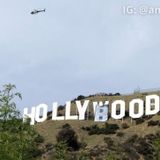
[42, 108]
[132, 108]
[114, 109]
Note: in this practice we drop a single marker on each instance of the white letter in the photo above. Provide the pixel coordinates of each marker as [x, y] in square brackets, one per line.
[150, 105]
[54, 113]
[82, 109]
[96, 104]
[114, 109]
[101, 114]
[29, 115]
[132, 108]
[68, 114]
[42, 108]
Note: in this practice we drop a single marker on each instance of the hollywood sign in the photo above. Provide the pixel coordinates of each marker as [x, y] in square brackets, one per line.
[137, 108]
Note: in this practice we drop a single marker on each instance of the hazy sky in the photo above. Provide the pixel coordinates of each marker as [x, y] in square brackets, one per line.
[77, 47]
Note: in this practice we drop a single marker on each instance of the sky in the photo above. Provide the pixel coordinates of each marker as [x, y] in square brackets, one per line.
[77, 47]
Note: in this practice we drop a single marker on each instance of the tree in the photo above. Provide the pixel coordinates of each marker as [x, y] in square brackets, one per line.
[17, 139]
[68, 135]
[7, 105]
[60, 151]
[157, 149]
[80, 97]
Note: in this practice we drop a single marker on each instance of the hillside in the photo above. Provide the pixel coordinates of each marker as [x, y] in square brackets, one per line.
[125, 143]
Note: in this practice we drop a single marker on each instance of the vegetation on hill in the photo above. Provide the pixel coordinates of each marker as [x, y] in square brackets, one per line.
[127, 139]
[69, 137]
[136, 139]
[18, 140]
[107, 129]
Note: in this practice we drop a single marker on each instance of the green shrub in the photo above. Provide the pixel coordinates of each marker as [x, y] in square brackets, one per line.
[39, 139]
[153, 123]
[18, 140]
[60, 150]
[107, 129]
[66, 125]
[110, 128]
[83, 156]
[157, 149]
[139, 121]
[80, 97]
[68, 135]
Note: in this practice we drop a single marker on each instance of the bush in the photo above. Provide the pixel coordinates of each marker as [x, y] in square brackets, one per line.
[49, 146]
[147, 117]
[68, 135]
[108, 141]
[125, 125]
[96, 151]
[83, 156]
[141, 145]
[132, 139]
[95, 130]
[66, 126]
[35, 152]
[153, 123]
[60, 151]
[111, 128]
[85, 128]
[139, 121]
[18, 140]
[39, 139]
[157, 148]
[144, 148]
[107, 129]
[80, 97]
[117, 94]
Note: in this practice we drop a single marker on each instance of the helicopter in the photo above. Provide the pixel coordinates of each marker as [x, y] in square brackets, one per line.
[36, 11]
